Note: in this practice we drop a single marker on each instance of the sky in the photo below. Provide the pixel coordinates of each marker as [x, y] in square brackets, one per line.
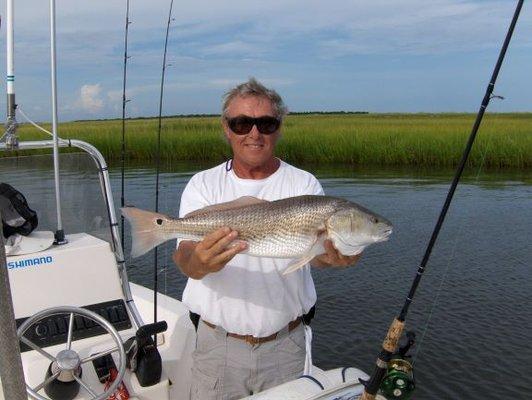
[320, 55]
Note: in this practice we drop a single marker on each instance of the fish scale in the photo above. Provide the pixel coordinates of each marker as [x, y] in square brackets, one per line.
[286, 228]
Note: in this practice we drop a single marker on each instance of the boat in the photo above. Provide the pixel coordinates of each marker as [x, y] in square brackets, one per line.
[83, 327]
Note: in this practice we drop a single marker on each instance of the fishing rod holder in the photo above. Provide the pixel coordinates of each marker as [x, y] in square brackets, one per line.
[10, 135]
[143, 357]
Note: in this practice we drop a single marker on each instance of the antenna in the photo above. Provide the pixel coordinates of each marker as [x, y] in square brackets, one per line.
[11, 122]
[59, 233]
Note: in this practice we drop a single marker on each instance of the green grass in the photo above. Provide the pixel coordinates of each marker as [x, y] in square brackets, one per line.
[504, 140]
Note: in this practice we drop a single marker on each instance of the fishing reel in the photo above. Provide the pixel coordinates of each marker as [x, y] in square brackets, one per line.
[399, 383]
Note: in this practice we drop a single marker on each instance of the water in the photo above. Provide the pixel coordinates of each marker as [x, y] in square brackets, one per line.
[473, 310]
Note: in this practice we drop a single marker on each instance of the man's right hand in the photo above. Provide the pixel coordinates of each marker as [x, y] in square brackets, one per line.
[197, 259]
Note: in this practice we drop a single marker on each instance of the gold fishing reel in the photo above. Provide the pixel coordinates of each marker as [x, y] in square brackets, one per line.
[399, 380]
[399, 383]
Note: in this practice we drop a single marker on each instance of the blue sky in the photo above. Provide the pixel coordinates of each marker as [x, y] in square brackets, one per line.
[377, 56]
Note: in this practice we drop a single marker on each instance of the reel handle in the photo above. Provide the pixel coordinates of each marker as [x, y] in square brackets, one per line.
[148, 330]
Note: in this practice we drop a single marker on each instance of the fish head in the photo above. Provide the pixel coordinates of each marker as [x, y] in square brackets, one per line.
[353, 228]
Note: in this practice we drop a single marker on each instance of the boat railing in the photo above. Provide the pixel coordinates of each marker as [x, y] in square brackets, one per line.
[105, 184]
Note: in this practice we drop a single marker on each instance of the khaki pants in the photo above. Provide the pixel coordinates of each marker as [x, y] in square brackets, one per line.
[227, 368]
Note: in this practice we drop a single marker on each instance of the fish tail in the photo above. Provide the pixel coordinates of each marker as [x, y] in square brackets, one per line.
[146, 233]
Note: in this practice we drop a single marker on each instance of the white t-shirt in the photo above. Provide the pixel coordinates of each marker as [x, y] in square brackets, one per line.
[250, 295]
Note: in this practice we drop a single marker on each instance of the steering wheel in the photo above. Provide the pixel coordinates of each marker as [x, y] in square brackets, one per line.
[68, 362]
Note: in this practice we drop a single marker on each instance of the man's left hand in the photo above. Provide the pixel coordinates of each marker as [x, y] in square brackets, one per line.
[333, 258]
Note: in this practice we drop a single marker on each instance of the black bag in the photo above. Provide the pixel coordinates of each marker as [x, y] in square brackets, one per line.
[17, 216]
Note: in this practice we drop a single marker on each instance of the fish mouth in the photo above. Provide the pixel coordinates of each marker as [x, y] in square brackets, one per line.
[384, 236]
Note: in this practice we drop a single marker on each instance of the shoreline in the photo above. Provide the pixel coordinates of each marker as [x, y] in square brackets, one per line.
[352, 139]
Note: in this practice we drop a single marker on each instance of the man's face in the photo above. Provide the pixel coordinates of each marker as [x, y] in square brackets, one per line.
[253, 149]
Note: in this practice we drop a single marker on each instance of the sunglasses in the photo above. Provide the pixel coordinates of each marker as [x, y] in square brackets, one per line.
[242, 125]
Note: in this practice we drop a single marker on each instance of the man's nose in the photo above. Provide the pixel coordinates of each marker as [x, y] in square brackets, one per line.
[254, 132]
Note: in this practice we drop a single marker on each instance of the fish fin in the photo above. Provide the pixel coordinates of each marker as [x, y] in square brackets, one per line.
[146, 233]
[316, 249]
[298, 263]
[356, 251]
[348, 250]
[240, 202]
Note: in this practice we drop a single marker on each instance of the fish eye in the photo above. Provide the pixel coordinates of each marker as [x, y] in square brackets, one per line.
[375, 220]
[159, 221]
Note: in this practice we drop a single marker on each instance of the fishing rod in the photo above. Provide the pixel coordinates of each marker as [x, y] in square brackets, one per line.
[158, 160]
[124, 102]
[390, 343]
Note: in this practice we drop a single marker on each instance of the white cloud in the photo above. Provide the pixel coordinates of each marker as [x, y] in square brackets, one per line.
[232, 48]
[214, 44]
[227, 83]
[90, 98]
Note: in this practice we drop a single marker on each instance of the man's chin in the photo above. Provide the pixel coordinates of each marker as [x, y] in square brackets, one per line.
[254, 162]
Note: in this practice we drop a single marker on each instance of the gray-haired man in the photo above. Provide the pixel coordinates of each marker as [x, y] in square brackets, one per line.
[250, 335]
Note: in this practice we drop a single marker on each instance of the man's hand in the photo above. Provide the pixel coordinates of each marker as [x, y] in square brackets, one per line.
[333, 258]
[197, 259]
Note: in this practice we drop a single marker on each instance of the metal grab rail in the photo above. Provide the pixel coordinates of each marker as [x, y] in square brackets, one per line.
[106, 191]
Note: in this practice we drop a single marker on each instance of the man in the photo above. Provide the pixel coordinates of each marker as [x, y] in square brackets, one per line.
[250, 336]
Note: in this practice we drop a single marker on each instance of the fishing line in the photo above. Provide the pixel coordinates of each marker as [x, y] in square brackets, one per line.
[443, 279]
[158, 159]
[449, 260]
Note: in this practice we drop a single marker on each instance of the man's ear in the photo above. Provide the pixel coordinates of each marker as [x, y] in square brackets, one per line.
[225, 129]
[226, 133]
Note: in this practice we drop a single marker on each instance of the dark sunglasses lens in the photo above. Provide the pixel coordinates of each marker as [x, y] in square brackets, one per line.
[267, 125]
[241, 125]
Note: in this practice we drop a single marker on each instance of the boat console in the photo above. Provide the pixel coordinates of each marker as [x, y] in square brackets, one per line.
[81, 273]
[83, 276]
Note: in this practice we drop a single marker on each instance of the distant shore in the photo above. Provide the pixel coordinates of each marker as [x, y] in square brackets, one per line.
[357, 138]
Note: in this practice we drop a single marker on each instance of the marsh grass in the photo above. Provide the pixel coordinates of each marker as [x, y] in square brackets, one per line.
[504, 140]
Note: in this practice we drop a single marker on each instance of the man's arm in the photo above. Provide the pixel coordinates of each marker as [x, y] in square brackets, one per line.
[333, 258]
[197, 259]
